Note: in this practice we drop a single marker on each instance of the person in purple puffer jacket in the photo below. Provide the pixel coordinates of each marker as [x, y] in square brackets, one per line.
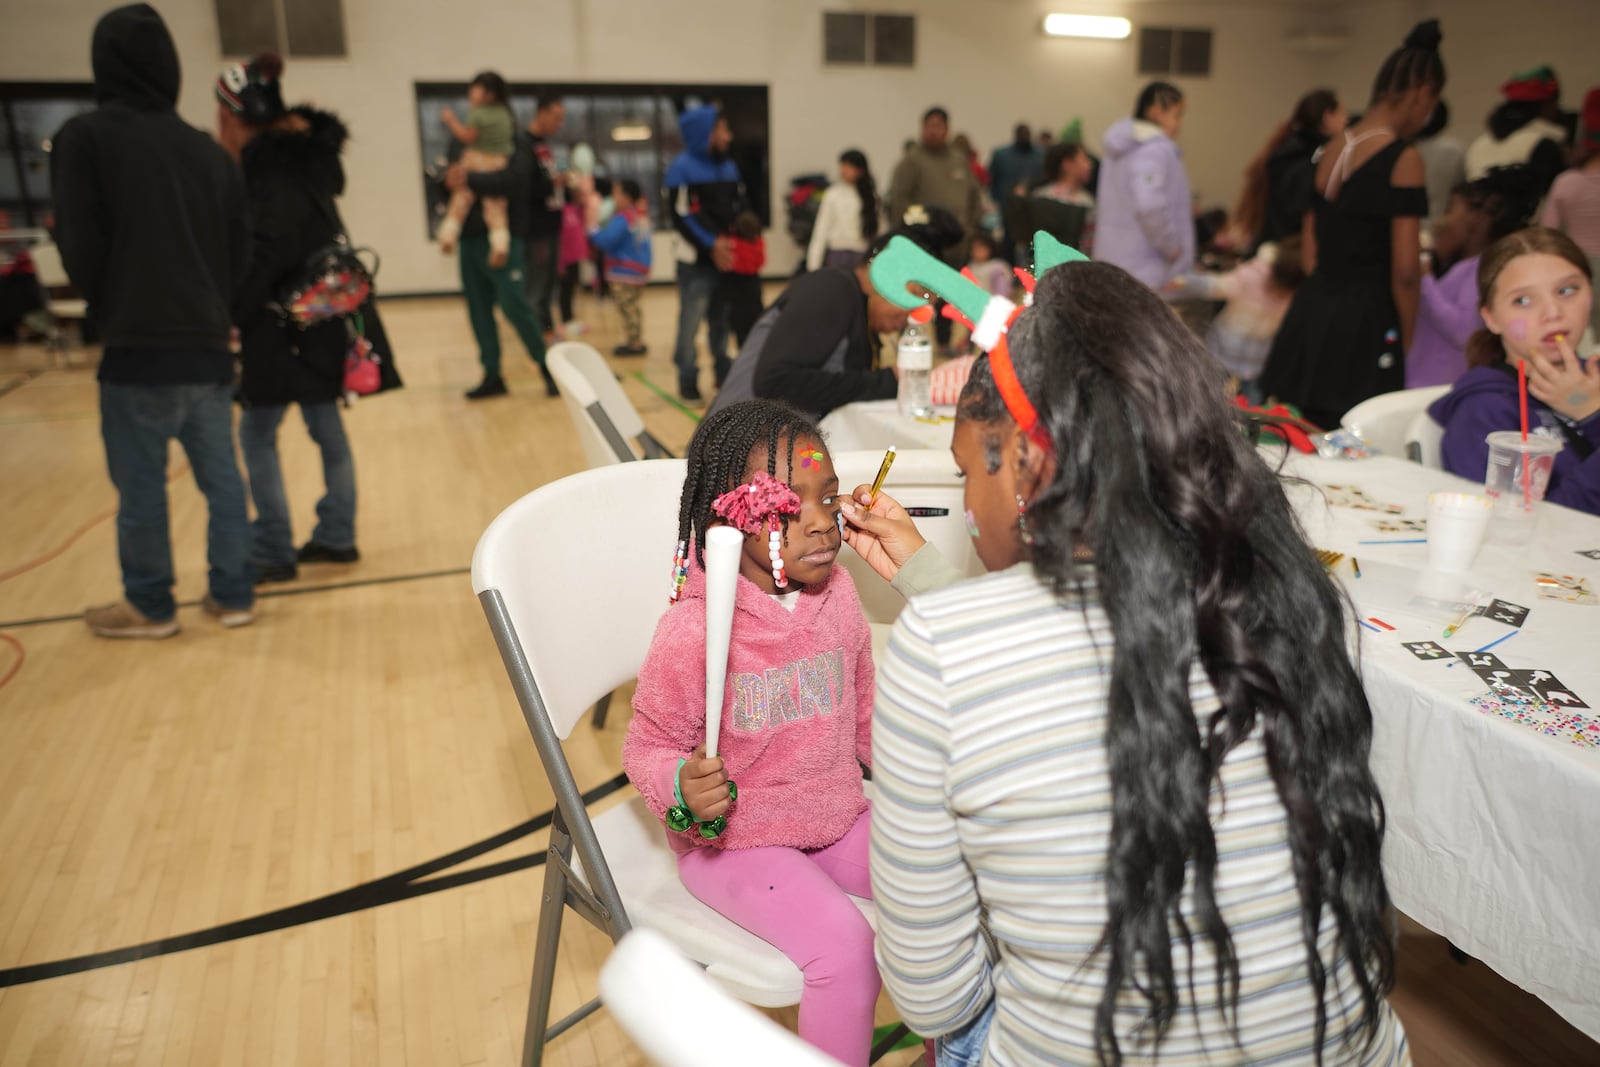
[1145, 223]
[1534, 293]
[1479, 214]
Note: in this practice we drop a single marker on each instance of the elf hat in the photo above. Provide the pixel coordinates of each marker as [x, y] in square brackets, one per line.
[1533, 86]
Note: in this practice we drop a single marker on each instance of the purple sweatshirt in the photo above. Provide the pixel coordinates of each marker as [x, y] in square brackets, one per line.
[1446, 316]
[1485, 400]
[796, 714]
[1144, 222]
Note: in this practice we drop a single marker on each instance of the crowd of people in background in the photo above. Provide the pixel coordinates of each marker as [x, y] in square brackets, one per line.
[1346, 268]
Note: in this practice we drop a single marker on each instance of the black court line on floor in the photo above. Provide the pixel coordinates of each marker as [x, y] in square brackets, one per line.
[269, 594]
[13, 386]
[402, 885]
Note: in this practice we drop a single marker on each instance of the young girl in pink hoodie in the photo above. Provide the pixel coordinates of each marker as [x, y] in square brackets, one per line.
[796, 721]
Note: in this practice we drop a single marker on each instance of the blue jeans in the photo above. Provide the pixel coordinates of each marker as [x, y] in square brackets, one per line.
[964, 1047]
[336, 511]
[696, 286]
[136, 422]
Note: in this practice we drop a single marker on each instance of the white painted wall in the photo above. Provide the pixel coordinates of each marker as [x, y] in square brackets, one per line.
[987, 62]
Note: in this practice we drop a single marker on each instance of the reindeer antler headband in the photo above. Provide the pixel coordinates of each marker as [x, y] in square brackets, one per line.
[903, 262]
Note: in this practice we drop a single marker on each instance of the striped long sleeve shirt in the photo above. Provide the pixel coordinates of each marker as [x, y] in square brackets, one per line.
[990, 825]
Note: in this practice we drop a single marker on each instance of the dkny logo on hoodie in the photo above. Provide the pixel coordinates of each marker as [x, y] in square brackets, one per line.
[800, 690]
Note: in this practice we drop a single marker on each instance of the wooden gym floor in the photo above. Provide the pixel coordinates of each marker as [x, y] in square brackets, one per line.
[361, 727]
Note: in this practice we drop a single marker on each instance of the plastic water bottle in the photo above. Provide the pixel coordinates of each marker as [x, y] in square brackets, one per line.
[914, 357]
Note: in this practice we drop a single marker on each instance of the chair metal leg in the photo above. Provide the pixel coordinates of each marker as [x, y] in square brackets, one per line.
[601, 706]
[889, 1041]
[552, 909]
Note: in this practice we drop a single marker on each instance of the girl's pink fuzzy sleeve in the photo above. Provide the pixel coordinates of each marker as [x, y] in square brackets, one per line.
[866, 680]
[668, 707]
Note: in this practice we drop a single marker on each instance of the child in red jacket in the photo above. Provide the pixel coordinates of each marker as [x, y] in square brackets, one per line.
[791, 847]
[740, 287]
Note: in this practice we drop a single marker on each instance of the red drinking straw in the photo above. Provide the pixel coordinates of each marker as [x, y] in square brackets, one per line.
[1522, 395]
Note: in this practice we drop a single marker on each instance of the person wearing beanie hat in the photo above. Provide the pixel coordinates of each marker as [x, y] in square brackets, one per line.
[290, 158]
[1525, 128]
[124, 179]
[1573, 205]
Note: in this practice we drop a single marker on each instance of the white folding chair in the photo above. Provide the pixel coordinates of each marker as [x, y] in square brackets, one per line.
[1382, 421]
[572, 591]
[601, 413]
[1424, 441]
[646, 983]
[67, 314]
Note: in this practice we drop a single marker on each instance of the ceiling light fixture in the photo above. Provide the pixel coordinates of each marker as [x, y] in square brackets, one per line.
[637, 132]
[1107, 26]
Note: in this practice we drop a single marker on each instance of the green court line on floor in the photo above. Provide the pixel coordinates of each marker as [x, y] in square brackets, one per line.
[664, 395]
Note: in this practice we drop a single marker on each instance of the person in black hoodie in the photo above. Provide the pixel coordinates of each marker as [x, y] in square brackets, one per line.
[292, 169]
[154, 230]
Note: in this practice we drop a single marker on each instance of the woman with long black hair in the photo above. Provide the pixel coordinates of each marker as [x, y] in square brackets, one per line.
[1122, 807]
[1278, 182]
[849, 218]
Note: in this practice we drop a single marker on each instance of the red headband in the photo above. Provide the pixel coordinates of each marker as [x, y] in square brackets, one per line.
[1012, 393]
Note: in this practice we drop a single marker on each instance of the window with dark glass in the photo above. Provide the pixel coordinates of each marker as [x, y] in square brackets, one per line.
[30, 115]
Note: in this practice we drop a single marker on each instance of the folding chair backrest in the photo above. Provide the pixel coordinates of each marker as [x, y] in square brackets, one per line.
[583, 567]
[605, 419]
[47, 266]
[1425, 441]
[1382, 421]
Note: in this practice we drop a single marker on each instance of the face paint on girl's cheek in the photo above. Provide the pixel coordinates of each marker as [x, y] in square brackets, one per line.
[972, 523]
[1518, 330]
[838, 518]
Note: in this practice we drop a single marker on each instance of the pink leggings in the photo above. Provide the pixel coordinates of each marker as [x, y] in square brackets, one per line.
[796, 901]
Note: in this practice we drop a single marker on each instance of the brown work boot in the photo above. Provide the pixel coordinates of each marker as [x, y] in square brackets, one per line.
[122, 619]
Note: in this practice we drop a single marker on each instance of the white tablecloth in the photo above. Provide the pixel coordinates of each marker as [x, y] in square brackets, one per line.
[1492, 825]
[877, 424]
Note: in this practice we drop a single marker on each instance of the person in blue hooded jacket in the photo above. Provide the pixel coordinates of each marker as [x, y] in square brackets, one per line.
[703, 196]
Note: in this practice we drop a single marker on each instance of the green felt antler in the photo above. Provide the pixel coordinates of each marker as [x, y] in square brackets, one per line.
[903, 262]
[1049, 252]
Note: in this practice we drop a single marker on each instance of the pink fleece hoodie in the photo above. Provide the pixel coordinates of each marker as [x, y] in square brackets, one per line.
[796, 718]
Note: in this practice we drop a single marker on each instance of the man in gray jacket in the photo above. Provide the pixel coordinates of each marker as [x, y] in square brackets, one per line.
[934, 174]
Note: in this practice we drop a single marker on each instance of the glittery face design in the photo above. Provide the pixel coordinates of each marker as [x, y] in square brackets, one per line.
[972, 523]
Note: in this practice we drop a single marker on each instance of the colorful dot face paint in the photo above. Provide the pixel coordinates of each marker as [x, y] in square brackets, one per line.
[972, 523]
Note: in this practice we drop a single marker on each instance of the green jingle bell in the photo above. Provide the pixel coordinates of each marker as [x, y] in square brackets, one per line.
[679, 819]
[713, 829]
[733, 791]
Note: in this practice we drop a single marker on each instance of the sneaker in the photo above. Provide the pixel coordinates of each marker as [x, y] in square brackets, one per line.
[550, 388]
[268, 573]
[122, 619]
[572, 329]
[495, 386]
[630, 350]
[312, 552]
[229, 617]
[691, 397]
